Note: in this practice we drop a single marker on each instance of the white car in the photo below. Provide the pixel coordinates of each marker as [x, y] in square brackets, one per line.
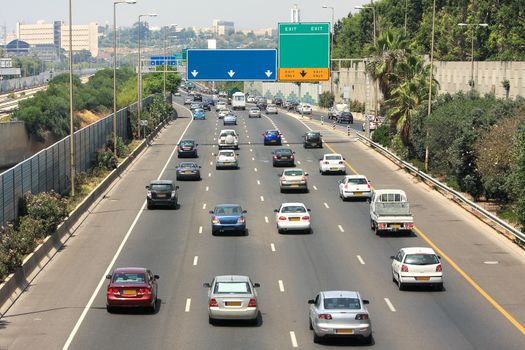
[332, 163]
[271, 109]
[221, 105]
[226, 159]
[224, 112]
[293, 217]
[293, 179]
[417, 266]
[250, 99]
[228, 138]
[304, 108]
[354, 186]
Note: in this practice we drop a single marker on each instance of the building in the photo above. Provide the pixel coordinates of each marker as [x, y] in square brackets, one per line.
[85, 36]
[260, 32]
[223, 27]
[295, 14]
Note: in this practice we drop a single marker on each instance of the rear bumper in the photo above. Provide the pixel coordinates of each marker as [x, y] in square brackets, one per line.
[162, 202]
[329, 330]
[217, 313]
[289, 162]
[227, 165]
[182, 175]
[333, 168]
[293, 226]
[294, 186]
[182, 154]
[130, 302]
[272, 141]
[411, 279]
[354, 194]
[228, 227]
[313, 144]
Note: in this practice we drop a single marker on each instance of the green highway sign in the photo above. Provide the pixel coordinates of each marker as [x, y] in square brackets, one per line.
[304, 51]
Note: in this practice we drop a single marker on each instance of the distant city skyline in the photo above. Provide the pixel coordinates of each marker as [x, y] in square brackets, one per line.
[198, 13]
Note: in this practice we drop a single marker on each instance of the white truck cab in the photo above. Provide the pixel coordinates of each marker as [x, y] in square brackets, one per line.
[239, 101]
[390, 211]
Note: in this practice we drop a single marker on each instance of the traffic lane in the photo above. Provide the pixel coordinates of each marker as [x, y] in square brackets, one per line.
[160, 242]
[400, 243]
[357, 125]
[39, 318]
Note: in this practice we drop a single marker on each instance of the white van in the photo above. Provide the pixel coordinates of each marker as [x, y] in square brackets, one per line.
[238, 101]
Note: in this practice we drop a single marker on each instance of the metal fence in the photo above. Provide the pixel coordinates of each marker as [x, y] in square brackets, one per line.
[49, 169]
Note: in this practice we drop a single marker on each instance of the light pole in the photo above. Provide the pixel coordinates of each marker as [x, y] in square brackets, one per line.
[475, 25]
[71, 130]
[430, 79]
[115, 3]
[331, 49]
[139, 76]
[165, 55]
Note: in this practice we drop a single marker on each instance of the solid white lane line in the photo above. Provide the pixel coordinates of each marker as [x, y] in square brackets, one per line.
[281, 286]
[390, 305]
[272, 247]
[200, 229]
[293, 339]
[258, 182]
[341, 228]
[262, 199]
[315, 188]
[266, 219]
[255, 169]
[326, 206]
[195, 260]
[360, 259]
[188, 305]
[204, 206]
[117, 253]
[207, 188]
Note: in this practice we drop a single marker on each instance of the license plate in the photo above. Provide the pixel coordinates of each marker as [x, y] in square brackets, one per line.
[334, 169]
[294, 186]
[187, 172]
[161, 195]
[344, 331]
[284, 157]
[422, 278]
[295, 219]
[129, 292]
[395, 226]
[233, 303]
[226, 163]
[358, 193]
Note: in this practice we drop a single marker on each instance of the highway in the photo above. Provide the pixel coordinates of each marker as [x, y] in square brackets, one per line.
[482, 306]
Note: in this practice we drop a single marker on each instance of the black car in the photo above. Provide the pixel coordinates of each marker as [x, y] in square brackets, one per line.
[291, 105]
[162, 193]
[187, 148]
[197, 97]
[283, 156]
[188, 171]
[278, 101]
[345, 117]
[206, 105]
[312, 139]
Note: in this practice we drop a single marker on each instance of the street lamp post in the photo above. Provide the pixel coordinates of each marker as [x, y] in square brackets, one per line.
[115, 3]
[139, 76]
[430, 79]
[331, 49]
[166, 55]
[71, 130]
[475, 25]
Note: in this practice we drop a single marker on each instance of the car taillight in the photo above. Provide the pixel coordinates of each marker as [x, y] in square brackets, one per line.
[282, 218]
[274, 157]
[325, 317]
[381, 226]
[240, 220]
[404, 268]
[439, 268]
[252, 303]
[149, 194]
[305, 218]
[292, 157]
[143, 291]
[362, 317]
[215, 220]
[213, 303]
[173, 193]
[114, 291]
[410, 225]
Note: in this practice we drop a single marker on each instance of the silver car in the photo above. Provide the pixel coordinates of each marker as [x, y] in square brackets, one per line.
[293, 179]
[340, 314]
[230, 119]
[232, 297]
[226, 159]
[271, 109]
[254, 112]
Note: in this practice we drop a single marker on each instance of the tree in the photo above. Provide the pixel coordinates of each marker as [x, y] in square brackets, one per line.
[516, 182]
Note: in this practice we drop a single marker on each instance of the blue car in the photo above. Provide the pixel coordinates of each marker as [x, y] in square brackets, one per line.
[187, 148]
[228, 218]
[272, 137]
[199, 114]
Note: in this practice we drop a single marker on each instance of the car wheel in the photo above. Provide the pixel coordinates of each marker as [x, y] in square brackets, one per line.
[317, 339]
[394, 277]
[367, 340]
[401, 285]
[211, 320]
[150, 206]
[110, 309]
[152, 308]
[310, 324]
[439, 287]
[372, 226]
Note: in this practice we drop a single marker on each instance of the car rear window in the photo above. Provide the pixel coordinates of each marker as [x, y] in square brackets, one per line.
[391, 197]
[228, 210]
[228, 133]
[421, 259]
[160, 187]
[293, 172]
[342, 304]
[332, 157]
[129, 278]
[313, 135]
[188, 165]
[283, 151]
[227, 154]
[186, 143]
[293, 209]
[232, 288]
[357, 181]
[272, 133]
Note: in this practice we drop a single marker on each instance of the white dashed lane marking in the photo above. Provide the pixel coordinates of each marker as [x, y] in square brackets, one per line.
[390, 305]
[204, 206]
[272, 247]
[258, 182]
[255, 169]
[281, 286]
[266, 219]
[326, 206]
[188, 305]
[341, 228]
[262, 199]
[360, 259]
[293, 339]
[315, 188]
[195, 260]
[207, 188]
[200, 229]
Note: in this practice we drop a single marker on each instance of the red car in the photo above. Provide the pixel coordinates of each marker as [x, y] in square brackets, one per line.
[132, 287]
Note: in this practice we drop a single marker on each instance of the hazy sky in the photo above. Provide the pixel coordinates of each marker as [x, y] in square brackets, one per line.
[245, 13]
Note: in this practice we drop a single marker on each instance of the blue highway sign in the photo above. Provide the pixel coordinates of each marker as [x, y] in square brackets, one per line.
[159, 60]
[232, 65]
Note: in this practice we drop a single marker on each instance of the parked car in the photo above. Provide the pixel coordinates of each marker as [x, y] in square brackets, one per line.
[188, 171]
[162, 193]
[332, 163]
[355, 187]
[283, 156]
[187, 148]
[272, 137]
[293, 217]
[228, 138]
[345, 118]
[254, 112]
[271, 109]
[293, 179]
[232, 297]
[312, 139]
[226, 159]
[230, 119]
[417, 266]
[340, 314]
[228, 218]
[132, 287]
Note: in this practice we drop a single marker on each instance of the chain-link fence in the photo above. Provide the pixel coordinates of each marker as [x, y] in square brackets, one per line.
[49, 169]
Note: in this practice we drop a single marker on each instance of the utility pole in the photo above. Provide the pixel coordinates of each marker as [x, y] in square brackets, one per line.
[430, 80]
[71, 129]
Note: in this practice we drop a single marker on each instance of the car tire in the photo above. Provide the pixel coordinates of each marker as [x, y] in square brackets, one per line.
[150, 206]
[211, 320]
[439, 287]
[372, 226]
[110, 309]
[310, 324]
[317, 339]
[367, 340]
[400, 285]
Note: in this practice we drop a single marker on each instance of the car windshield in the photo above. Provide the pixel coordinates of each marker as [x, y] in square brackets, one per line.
[342, 304]
[186, 143]
[129, 278]
[228, 133]
[255, 109]
[227, 154]
[332, 157]
[421, 259]
[198, 110]
[188, 165]
[293, 209]
[271, 106]
[284, 151]
[161, 187]
[359, 181]
[232, 288]
[272, 133]
[313, 135]
[233, 210]
[294, 172]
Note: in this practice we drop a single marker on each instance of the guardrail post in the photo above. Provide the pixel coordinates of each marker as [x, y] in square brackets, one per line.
[322, 120]
[348, 130]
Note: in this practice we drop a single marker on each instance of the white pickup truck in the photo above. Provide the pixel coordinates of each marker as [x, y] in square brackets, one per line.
[390, 211]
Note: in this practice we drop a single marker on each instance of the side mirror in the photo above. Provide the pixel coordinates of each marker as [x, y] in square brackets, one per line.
[196, 144]
[177, 187]
[369, 181]
[256, 285]
[439, 257]
[320, 158]
[366, 302]
[245, 211]
[392, 257]
[200, 167]
[276, 210]
[211, 212]
[344, 158]
[309, 209]
[305, 174]
[147, 187]
[156, 277]
[206, 285]
[340, 181]
[237, 153]
[108, 277]
[293, 152]
[311, 301]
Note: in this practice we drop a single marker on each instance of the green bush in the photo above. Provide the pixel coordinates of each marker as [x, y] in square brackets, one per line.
[106, 159]
[382, 136]
[11, 96]
[14, 245]
[356, 106]
[48, 207]
[326, 99]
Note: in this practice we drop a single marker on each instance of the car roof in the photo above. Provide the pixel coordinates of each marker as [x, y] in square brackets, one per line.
[340, 294]
[296, 169]
[332, 154]
[129, 269]
[232, 278]
[419, 250]
[292, 204]
[223, 130]
[379, 192]
[355, 176]
[161, 182]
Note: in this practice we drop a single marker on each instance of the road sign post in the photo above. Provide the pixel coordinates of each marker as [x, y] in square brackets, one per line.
[304, 52]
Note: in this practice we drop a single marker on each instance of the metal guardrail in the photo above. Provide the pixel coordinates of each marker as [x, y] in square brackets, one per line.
[458, 196]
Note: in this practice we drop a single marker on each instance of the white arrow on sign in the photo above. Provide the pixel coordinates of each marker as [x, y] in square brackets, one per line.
[268, 73]
[231, 73]
[194, 73]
